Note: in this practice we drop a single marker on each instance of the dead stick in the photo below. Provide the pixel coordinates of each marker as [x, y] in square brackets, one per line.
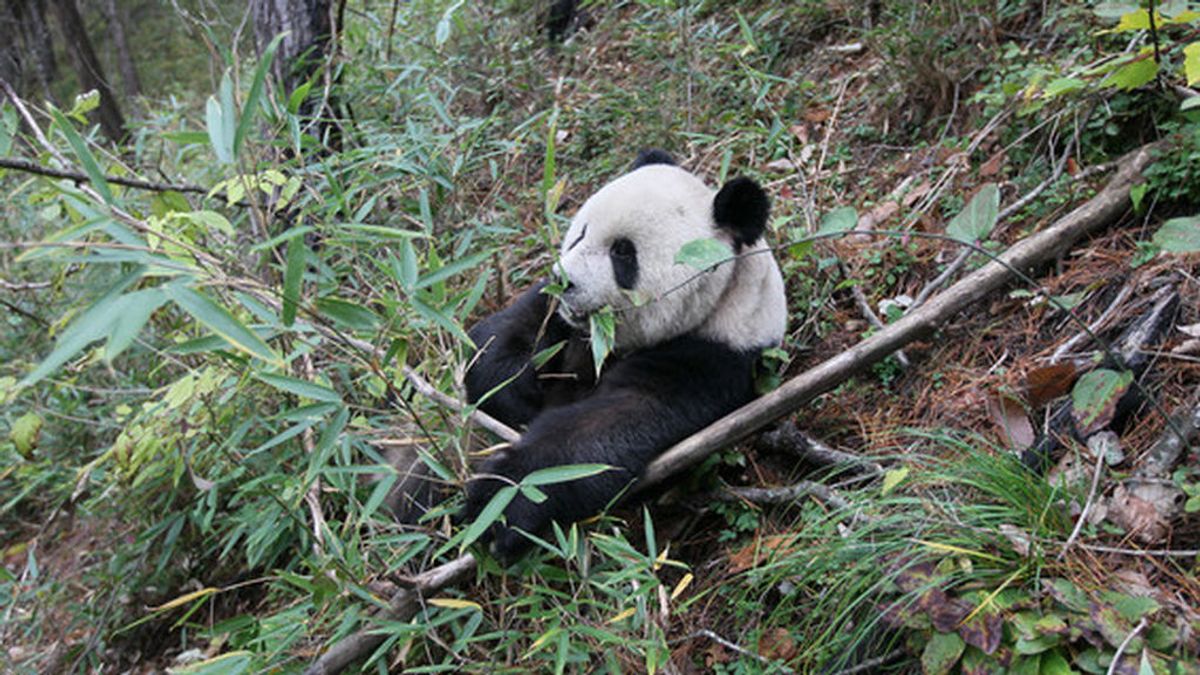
[1105, 207]
[403, 606]
[19, 164]
[1029, 253]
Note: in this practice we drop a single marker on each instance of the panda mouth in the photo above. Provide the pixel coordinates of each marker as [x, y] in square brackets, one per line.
[577, 319]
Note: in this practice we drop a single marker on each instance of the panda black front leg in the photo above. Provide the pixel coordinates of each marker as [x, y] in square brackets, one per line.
[507, 342]
[644, 404]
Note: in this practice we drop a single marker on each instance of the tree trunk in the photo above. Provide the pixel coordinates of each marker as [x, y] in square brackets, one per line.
[304, 49]
[130, 82]
[27, 57]
[87, 66]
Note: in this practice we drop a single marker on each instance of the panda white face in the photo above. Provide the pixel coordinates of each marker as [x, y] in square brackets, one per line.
[620, 252]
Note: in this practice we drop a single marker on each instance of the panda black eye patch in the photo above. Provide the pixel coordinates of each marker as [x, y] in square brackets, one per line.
[625, 263]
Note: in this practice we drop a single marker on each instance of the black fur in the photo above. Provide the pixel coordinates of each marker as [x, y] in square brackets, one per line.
[507, 341]
[624, 263]
[643, 403]
[653, 156]
[742, 207]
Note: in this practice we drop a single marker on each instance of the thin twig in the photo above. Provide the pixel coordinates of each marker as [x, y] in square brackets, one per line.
[872, 664]
[28, 166]
[704, 632]
[788, 438]
[28, 286]
[1099, 444]
[1143, 553]
[864, 308]
[787, 494]
[1094, 326]
[1116, 660]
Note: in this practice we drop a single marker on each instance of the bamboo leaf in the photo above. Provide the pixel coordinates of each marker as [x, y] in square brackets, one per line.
[447, 271]
[85, 156]
[217, 319]
[256, 89]
[489, 515]
[977, 219]
[563, 474]
[1179, 235]
[842, 219]
[702, 254]
[301, 388]
[293, 275]
[131, 314]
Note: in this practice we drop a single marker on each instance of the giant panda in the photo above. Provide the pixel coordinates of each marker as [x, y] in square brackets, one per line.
[685, 350]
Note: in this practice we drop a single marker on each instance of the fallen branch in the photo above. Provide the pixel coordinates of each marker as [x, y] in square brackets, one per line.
[1025, 255]
[403, 606]
[788, 438]
[19, 164]
[787, 494]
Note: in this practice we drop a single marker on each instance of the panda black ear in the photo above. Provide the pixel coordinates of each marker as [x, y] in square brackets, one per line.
[741, 207]
[652, 156]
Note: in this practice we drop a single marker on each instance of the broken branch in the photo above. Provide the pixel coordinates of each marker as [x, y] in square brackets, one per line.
[1029, 253]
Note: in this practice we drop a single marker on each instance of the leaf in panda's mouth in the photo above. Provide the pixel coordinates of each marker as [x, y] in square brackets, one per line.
[703, 254]
[602, 326]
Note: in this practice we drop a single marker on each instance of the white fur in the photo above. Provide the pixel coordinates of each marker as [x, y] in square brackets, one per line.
[740, 303]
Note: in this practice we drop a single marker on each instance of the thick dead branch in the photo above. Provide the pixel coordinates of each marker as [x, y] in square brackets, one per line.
[1025, 255]
[1166, 452]
[788, 438]
[788, 494]
[403, 606]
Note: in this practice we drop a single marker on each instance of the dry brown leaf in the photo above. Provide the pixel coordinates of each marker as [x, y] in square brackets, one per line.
[916, 193]
[877, 215]
[1017, 537]
[783, 165]
[1187, 348]
[1191, 330]
[1009, 415]
[756, 552]
[993, 165]
[816, 115]
[800, 131]
[1144, 509]
[777, 643]
[1045, 384]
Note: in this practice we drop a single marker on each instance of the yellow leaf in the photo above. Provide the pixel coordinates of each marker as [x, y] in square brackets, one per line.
[542, 640]
[893, 478]
[951, 548]
[1136, 20]
[454, 603]
[185, 599]
[623, 615]
[683, 584]
[1191, 63]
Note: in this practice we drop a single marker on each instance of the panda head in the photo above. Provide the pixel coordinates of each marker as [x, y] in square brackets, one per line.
[620, 252]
